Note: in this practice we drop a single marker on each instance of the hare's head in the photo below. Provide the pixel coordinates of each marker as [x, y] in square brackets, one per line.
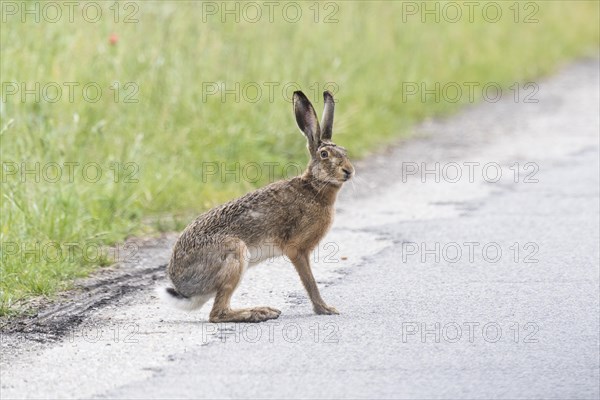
[329, 162]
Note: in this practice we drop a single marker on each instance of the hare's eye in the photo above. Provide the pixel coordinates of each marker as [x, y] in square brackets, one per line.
[324, 154]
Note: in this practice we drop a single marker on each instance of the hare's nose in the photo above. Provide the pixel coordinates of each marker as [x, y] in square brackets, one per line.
[347, 173]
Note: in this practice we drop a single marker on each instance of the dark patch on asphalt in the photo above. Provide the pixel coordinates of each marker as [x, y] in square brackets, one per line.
[584, 151]
[296, 298]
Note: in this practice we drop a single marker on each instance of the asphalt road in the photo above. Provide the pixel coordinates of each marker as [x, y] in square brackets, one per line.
[475, 286]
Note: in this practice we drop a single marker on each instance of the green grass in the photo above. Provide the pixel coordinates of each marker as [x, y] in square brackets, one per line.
[175, 126]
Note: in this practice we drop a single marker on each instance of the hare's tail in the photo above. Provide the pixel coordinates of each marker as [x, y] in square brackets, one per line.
[175, 299]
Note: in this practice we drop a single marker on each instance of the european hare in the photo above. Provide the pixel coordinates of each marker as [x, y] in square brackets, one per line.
[287, 217]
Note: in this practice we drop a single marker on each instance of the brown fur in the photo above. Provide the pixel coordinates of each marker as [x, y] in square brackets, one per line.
[288, 217]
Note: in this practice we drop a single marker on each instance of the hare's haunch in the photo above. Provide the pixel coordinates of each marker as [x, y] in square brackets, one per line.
[287, 217]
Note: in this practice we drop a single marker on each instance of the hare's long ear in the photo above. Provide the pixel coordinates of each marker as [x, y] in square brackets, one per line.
[327, 121]
[306, 117]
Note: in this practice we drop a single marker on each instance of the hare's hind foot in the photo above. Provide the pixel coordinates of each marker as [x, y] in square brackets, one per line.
[256, 314]
[230, 274]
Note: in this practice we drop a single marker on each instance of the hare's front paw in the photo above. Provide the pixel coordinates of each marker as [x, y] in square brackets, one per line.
[324, 309]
